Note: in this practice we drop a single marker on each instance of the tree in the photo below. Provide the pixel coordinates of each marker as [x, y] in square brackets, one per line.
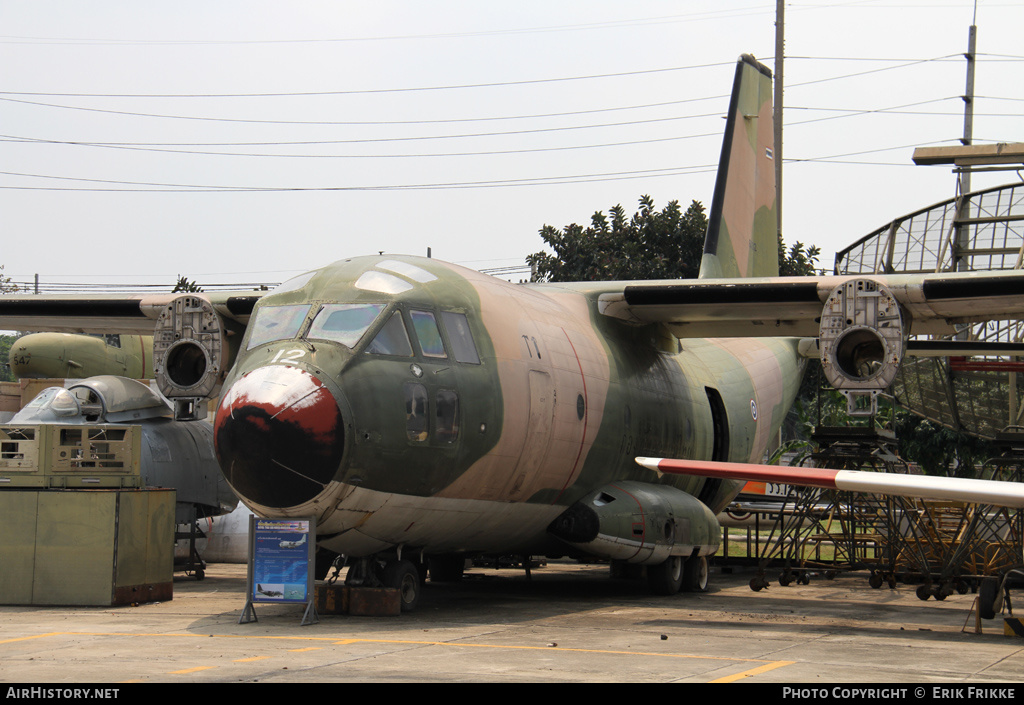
[6, 341]
[185, 286]
[798, 262]
[666, 244]
[940, 450]
[6, 287]
[653, 244]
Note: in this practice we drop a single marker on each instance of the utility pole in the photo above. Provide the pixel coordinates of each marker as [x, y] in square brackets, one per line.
[968, 138]
[964, 177]
[777, 105]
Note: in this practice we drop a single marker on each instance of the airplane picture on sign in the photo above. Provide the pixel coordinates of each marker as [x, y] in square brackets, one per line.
[292, 544]
[424, 412]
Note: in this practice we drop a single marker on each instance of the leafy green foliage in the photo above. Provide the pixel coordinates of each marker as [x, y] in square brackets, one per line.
[798, 262]
[6, 287]
[940, 450]
[6, 341]
[653, 244]
[185, 286]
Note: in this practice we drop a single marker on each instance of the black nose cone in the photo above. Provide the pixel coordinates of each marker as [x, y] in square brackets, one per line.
[279, 436]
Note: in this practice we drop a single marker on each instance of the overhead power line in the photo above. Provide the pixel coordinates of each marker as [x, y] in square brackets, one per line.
[532, 181]
[365, 91]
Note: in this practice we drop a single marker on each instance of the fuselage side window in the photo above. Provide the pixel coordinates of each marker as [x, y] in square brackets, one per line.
[276, 323]
[460, 337]
[392, 338]
[416, 420]
[344, 323]
[429, 336]
[447, 410]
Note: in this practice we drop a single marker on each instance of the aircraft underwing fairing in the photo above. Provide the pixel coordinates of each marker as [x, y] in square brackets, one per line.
[1003, 494]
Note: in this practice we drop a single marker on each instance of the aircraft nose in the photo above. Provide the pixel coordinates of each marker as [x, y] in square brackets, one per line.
[279, 436]
[37, 355]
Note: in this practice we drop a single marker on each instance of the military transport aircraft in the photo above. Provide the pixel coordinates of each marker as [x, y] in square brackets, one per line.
[423, 412]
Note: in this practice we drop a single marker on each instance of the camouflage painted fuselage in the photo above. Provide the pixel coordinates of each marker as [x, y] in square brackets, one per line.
[477, 450]
[67, 355]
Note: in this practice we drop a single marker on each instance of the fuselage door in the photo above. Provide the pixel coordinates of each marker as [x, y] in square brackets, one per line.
[538, 431]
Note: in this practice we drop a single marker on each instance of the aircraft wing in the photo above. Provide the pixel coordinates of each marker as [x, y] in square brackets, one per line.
[1004, 494]
[930, 304]
[135, 314]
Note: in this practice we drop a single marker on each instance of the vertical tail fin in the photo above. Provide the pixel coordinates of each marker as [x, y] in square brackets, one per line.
[742, 238]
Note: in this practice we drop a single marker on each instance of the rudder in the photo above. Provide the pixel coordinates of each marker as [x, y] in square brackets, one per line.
[742, 237]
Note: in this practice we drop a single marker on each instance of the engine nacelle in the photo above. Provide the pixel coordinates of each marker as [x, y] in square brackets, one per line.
[191, 354]
[862, 336]
[640, 523]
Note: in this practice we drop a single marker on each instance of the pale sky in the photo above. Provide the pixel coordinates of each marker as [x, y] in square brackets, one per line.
[248, 141]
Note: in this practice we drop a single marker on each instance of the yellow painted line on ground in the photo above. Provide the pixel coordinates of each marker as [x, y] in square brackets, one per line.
[308, 648]
[251, 658]
[26, 638]
[754, 671]
[766, 665]
[191, 670]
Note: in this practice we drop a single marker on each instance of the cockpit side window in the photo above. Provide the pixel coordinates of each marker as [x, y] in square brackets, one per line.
[392, 338]
[113, 341]
[460, 337]
[276, 323]
[426, 331]
[344, 323]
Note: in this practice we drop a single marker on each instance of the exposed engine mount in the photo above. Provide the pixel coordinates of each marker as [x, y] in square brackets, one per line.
[862, 339]
[191, 354]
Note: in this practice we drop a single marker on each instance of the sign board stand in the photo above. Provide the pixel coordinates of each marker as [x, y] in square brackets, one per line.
[281, 562]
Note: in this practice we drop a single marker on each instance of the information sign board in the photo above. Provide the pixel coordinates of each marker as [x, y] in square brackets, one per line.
[281, 561]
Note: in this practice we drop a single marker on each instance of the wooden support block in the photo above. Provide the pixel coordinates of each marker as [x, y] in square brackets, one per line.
[331, 598]
[374, 602]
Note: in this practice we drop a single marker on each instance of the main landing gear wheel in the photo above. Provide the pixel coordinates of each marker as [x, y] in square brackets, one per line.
[666, 578]
[696, 574]
[404, 576]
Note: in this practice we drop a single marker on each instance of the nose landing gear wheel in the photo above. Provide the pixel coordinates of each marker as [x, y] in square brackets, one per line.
[404, 576]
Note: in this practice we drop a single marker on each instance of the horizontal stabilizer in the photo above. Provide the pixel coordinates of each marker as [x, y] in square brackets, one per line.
[1004, 494]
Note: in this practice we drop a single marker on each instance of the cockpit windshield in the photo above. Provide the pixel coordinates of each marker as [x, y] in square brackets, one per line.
[276, 323]
[344, 323]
